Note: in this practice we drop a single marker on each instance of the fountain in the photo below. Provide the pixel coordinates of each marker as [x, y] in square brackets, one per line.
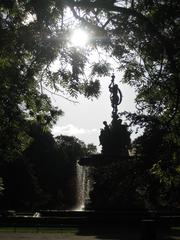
[83, 187]
[115, 141]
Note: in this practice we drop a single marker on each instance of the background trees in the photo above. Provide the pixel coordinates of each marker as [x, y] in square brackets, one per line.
[45, 175]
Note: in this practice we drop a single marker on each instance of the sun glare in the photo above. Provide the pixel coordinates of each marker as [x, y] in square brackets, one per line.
[79, 38]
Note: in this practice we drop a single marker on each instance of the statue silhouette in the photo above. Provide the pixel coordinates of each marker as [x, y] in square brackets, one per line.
[115, 97]
[114, 138]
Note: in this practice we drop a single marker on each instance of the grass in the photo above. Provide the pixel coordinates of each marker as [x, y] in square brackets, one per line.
[174, 233]
[38, 229]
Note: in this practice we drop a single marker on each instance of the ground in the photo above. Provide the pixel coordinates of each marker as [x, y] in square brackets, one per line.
[43, 236]
[37, 233]
[67, 234]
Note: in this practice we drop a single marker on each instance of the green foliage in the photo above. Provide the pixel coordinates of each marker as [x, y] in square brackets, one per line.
[45, 175]
[21, 59]
[91, 149]
[117, 186]
[101, 69]
[73, 147]
[160, 154]
[91, 88]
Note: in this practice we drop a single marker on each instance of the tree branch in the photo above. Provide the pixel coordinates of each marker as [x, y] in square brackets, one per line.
[70, 100]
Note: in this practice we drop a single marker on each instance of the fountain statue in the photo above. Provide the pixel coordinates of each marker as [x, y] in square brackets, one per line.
[114, 137]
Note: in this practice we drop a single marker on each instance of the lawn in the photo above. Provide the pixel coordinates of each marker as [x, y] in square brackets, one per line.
[12, 233]
[42, 233]
[38, 233]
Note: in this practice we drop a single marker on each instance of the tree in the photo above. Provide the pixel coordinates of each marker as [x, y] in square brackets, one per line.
[44, 177]
[160, 168]
[21, 101]
[21, 187]
[31, 41]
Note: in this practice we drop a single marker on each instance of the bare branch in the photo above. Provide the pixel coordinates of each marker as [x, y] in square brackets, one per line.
[59, 95]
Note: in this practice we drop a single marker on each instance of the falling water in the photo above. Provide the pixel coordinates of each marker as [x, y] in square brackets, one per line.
[83, 187]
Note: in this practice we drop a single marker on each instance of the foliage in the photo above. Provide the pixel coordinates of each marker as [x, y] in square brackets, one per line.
[45, 175]
[21, 189]
[21, 60]
[117, 186]
[90, 149]
[100, 68]
[160, 158]
[33, 40]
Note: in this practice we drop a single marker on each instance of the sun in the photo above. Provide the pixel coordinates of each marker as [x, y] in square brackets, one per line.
[79, 38]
